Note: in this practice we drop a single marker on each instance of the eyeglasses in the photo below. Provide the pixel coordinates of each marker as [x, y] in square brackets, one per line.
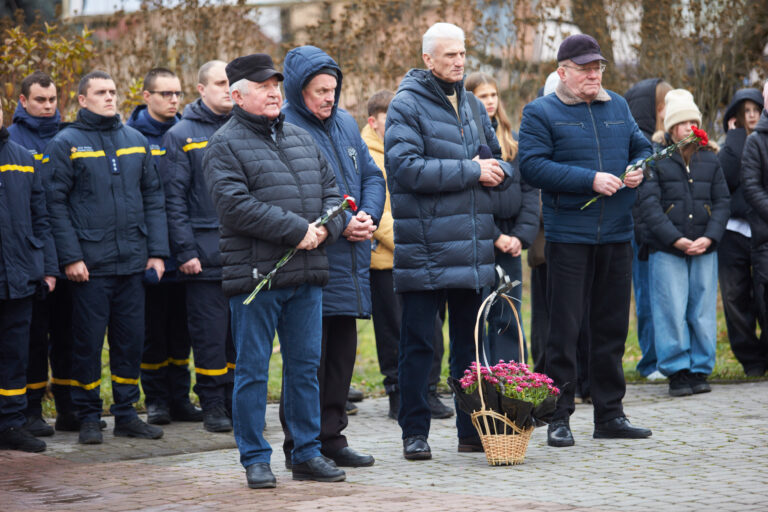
[587, 70]
[168, 94]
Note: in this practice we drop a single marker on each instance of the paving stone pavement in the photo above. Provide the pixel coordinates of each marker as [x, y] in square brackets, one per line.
[708, 452]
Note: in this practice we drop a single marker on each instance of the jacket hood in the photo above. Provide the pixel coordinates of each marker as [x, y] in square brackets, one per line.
[87, 120]
[740, 97]
[641, 99]
[299, 65]
[422, 81]
[43, 126]
[198, 111]
[142, 121]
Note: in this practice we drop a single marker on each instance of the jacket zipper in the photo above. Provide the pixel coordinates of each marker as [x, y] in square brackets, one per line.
[600, 169]
[354, 247]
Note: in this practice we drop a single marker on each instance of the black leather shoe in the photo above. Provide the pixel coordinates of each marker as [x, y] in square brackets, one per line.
[158, 414]
[699, 383]
[470, 444]
[68, 422]
[438, 409]
[416, 448]
[318, 469]
[559, 434]
[619, 428]
[18, 438]
[90, 433]
[350, 408]
[394, 405]
[260, 476]
[138, 429]
[37, 426]
[355, 395]
[215, 419]
[680, 384]
[347, 457]
[185, 411]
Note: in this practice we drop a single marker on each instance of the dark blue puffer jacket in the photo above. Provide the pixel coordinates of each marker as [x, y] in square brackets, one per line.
[154, 130]
[32, 132]
[105, 197]
[193, 225]
[562, 146]
[348, 290]
[27, 251]
[444, 228]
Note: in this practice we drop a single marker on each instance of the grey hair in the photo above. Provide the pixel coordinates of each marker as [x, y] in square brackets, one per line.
[241, 85]
[440, 31]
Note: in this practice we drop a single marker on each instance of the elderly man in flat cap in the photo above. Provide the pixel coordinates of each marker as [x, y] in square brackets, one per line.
[575, 144]
[269, 182]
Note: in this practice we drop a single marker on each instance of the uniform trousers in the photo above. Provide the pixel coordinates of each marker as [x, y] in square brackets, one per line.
[15, 317]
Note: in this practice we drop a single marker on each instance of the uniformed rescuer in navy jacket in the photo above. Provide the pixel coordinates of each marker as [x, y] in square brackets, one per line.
[107, 211]
[27, 258]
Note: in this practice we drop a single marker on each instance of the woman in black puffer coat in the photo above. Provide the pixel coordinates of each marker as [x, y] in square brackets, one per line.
[684, 209]
[742, 302]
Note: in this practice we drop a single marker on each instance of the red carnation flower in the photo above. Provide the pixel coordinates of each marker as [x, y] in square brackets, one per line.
[351, 201]
[701, 135]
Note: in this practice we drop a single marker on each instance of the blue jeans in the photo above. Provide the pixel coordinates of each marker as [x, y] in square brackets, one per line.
[296, 315]
[502, 342]
[683, 301]
[645, 338]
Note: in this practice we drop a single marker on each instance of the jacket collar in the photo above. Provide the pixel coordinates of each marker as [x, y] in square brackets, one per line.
[260, 125]
[95, 122]
[44, 127]
[566, 95]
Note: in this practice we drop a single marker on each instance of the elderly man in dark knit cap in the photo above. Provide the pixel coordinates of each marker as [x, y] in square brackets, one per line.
[575, 144]
[269, 182]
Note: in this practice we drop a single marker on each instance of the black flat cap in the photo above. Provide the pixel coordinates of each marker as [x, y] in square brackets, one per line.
[256, 67]
[579, 48]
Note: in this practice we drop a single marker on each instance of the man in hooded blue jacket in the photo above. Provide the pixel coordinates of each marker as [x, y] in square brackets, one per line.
[35, 122]
[444, 227]
[312, 89]
[165, 358]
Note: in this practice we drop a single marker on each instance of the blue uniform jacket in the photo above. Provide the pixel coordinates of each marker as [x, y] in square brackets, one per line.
[105, 197]
[27, 251]
[444, 225]
[562, 146]
[154, 130]
[192, 221]
[33, 133]
[348, 290]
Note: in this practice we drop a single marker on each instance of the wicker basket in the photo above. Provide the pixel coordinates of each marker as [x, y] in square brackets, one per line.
[504, 442]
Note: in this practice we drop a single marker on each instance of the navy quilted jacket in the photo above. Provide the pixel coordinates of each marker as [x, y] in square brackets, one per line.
[348, 290]
[444, 227]
[562, 146]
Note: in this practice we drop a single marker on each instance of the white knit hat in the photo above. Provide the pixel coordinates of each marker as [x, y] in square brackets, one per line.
[680, 107]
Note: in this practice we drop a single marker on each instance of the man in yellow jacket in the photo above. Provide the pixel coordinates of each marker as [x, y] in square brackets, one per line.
[386, 305]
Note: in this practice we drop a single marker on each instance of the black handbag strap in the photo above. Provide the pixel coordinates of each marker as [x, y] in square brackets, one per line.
[476, 114]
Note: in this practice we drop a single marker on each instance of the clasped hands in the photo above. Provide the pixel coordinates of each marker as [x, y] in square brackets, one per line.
[693, 247]
[607, 184]
[509, 244]
[491, 173]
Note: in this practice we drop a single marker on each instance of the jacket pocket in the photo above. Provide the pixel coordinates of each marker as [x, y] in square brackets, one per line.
[91, 235]
[709, 209]
[669, 209]
[35, 242]
[613, 124]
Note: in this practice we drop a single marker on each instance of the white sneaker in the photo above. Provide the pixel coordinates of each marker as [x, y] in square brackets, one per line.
[656, 375]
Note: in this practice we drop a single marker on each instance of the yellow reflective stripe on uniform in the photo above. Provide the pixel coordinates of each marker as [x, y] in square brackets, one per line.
[12, 392]
[231, 366]
[15, 167]
[39, 156]
[87, 154]
[158, 152]
[194, 145]
[178, 362]
[154, 366]
[73, 382]
[212, 373]
[37, 385]
[123, 380]
[130, 151]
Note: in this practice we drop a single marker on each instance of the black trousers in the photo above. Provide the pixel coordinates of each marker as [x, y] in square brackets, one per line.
[596, 279]
[15, 317]
[337, 361]
[743, 301]
[116, 302]
[208, 319]
[165, 375]
[386, 313]
[51, 334]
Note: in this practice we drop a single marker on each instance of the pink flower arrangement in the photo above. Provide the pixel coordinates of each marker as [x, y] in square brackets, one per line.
[513, 380]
